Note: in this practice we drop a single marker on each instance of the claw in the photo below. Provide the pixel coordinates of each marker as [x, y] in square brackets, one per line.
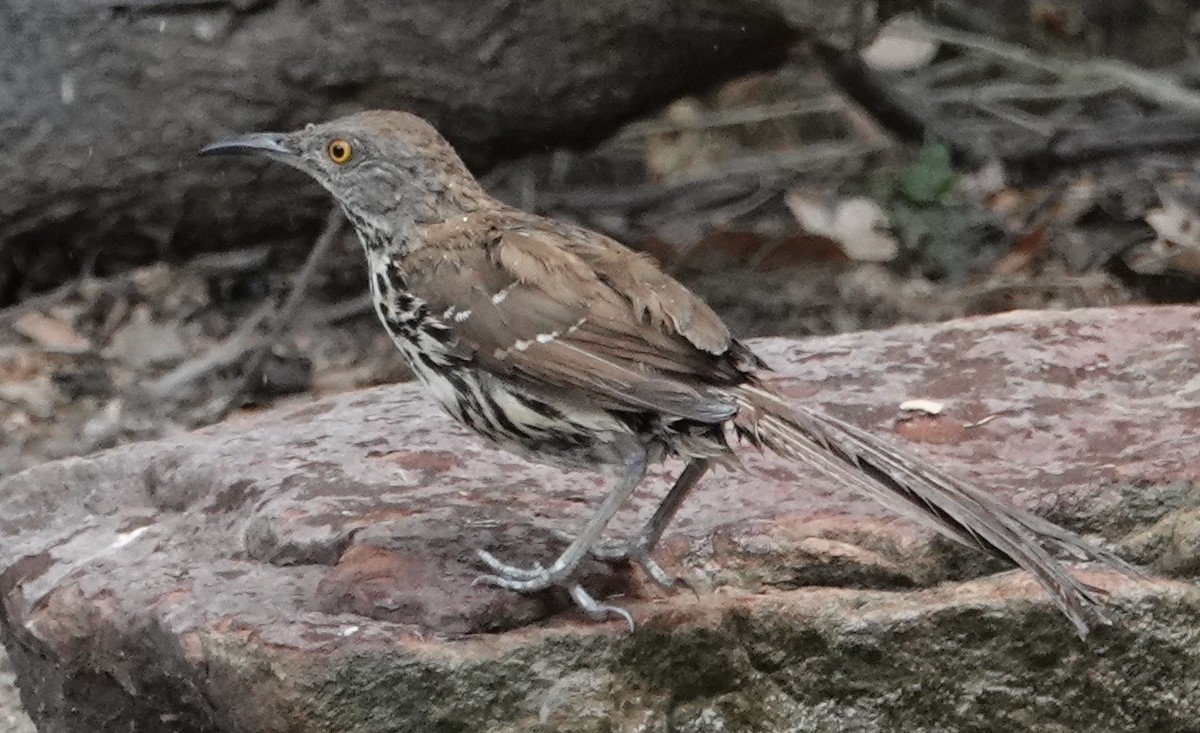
[561, 572]
[653, 570]
[594, 609]
[538, 578]
[618, 554]
[524, 580]
[532, 585]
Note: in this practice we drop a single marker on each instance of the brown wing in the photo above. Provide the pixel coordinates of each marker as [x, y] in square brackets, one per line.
[570, 311]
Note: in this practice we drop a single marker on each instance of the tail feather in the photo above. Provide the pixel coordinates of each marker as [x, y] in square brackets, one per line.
[927, 494]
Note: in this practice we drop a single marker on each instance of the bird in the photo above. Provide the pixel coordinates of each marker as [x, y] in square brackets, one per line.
[568, 348]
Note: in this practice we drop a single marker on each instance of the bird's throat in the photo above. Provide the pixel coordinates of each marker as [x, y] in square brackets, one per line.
[381, 239]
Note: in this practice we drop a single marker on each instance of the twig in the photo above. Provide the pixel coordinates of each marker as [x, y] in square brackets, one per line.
[231, 262]
[1016, 91]
[905, 115]
[916, 113]
[359, 305]
[287, 313]
[1176, 132]
[732, 181]
[1017, 118]
[943, 73]
[734, 117]
[228, 352]
[246, 339]
[1010, 52]
[1154, 86]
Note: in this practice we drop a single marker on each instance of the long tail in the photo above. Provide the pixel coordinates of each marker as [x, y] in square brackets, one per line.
[927, 494]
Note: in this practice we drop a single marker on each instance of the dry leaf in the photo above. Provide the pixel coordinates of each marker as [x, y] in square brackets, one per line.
[902, 45]
[857, 224]
[50, 333]
[144, 342]
[686, 152]
[37, 396]
[1177, 246]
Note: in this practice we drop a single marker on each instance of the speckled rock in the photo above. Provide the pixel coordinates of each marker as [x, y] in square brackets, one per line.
[309, 569]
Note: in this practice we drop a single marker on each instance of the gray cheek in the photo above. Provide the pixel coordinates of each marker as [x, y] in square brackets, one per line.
[350, 191]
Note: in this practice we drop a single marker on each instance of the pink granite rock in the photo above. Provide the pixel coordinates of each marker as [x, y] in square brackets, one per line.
[309, 569]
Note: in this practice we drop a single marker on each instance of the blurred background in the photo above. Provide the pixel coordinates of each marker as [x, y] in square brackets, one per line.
[807, 167]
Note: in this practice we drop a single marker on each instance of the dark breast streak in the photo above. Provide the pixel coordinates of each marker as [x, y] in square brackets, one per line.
[541, 430]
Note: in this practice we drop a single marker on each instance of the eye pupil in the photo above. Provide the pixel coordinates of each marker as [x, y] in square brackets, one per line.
[339, 151]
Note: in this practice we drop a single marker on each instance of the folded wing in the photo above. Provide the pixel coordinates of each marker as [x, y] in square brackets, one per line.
[582, 317]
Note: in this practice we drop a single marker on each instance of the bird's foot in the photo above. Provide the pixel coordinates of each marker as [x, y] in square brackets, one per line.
[530, 580]
[643, 560]
[522, 580]
[619, 553]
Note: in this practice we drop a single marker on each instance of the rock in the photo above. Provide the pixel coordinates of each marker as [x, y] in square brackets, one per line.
[12, 717]
[498, 79]
[309, 569]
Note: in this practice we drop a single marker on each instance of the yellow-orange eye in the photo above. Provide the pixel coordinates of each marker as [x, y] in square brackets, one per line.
[339, 151]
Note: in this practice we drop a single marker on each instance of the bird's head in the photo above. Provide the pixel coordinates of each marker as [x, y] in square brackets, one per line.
[384, 167]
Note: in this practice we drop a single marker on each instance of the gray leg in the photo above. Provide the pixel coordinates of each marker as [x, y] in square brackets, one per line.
[638, 550]
[539, 578]
[669, 506]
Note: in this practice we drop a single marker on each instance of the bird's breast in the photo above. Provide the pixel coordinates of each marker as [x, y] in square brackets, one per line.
[421, 336]
[372, 234]
[540, 428]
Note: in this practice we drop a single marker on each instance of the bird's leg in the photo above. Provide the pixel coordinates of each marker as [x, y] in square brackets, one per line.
[539, 578]
[638, 549]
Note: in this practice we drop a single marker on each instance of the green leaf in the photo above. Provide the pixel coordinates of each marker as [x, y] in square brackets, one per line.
[930, 178]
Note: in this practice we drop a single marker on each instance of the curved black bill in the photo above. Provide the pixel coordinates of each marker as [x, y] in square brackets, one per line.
[263, 143]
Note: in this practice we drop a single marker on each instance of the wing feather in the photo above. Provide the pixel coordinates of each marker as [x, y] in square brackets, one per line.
[570, 311]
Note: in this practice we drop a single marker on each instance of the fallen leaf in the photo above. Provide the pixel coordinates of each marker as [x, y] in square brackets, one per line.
[1174, 222]
[858, 225]
[989, 181]
[37, 396]
[673, 155]
[50, 333]
[144, 342]
[1177, 244]
[901, 45]
[1027, 250]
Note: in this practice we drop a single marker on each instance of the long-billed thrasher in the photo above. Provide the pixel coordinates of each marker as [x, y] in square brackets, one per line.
[564, 346]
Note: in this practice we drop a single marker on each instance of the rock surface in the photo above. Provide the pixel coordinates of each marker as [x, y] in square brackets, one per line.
[309, 569]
